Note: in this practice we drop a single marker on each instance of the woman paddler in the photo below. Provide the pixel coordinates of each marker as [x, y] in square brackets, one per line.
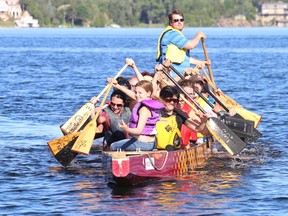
[142, 126]
[109, 118]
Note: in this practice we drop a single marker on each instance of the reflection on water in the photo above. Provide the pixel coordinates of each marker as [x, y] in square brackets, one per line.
[199, 187]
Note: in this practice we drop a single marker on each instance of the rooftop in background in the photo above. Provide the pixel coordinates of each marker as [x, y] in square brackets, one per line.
[11, 10]
[273, 14]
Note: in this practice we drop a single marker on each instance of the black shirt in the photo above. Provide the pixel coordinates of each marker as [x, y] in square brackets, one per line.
[181, 117]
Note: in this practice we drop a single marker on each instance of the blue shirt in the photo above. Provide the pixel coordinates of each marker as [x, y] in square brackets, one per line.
[173, 37]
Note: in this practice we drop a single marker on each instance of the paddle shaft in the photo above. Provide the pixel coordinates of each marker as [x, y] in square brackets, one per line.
[103, 100]
[203, 97]
[207, 59]
[227, 98]
[215, 88]
[212, 82]
[209, 80]
[85, 140]
[115, 77]
[216, 99]
[197, 92]
[183, 98]
[219, 101]
[76, 121]
[246, 123]
[183, 91]
[228, 139]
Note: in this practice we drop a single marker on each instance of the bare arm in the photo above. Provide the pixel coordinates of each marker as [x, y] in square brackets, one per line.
[194, 42]
[199, 127]
[197, 61]
[158, 82]
[100, 120]
[130, 62]
[125, 90]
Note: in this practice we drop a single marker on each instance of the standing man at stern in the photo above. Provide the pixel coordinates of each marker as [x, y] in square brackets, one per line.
[173, 45]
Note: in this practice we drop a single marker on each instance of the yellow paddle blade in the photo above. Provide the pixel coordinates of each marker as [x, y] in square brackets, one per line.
[237, 108]
[84, 141]
[228, 100]
[58, 144]
[78, 119]
[248, 115]
[232, 104]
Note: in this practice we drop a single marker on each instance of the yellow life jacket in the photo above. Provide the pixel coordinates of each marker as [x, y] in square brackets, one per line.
[167, 132]
[202, 103]
[173, 53]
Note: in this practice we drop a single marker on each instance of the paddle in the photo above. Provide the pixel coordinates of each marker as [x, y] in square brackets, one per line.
[225, 136]
[75, 122]
[229, 101]
[246, 114]
[85, 140]
[207, 59]
[61, 148]
[254, 135]
[187, 102]
[57, 145]
[243, 128]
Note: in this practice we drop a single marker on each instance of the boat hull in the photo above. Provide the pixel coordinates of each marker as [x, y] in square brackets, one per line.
[129, 168]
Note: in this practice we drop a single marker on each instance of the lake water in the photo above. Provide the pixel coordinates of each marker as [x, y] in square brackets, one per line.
[47, 74]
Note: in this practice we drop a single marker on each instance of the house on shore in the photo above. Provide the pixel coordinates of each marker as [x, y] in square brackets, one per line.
[27, 21]
[11, 10]
[273, 14]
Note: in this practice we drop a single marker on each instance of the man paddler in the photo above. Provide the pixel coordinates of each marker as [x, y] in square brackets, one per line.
[173, 45]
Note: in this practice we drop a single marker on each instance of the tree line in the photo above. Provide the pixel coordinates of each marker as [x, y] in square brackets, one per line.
[131, 13]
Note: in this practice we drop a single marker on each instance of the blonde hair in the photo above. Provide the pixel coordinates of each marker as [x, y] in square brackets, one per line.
[146, 85]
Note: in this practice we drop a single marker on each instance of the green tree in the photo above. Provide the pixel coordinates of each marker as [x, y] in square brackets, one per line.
[136, 12]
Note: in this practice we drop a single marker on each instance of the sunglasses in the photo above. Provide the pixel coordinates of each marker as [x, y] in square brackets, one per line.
[177, 20]
[174, 100]
[114, 104]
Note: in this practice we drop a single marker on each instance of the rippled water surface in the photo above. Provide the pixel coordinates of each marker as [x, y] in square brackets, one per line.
[47, 74]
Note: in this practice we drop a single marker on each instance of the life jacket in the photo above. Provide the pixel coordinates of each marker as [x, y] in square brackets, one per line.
[173, 53]
[168, 134]
[154, 106]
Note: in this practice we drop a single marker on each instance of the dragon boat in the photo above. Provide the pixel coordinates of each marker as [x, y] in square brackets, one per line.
[134, 167]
